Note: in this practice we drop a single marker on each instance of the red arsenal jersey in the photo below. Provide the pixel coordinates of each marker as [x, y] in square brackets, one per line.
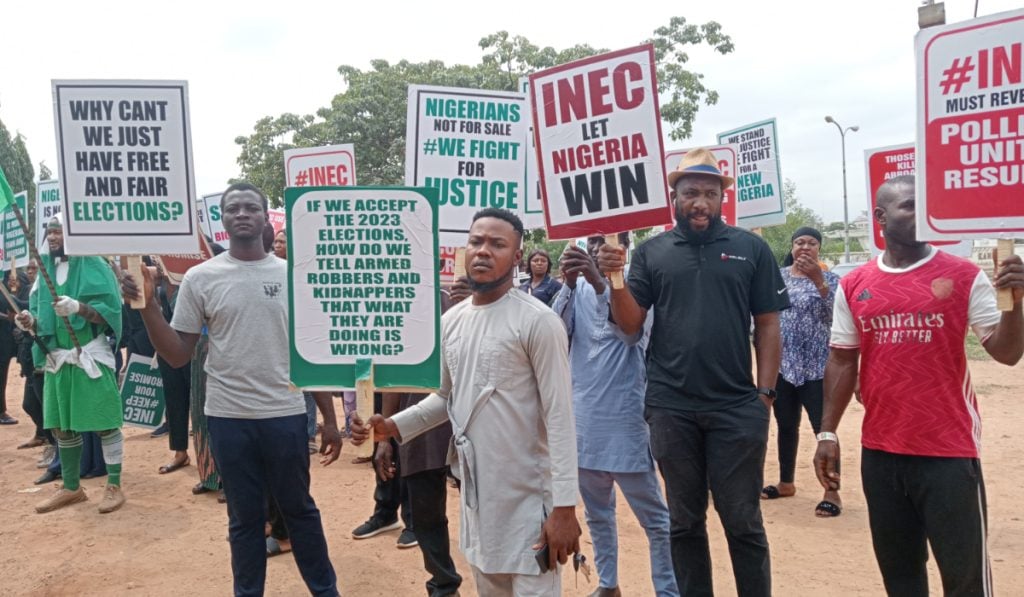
[910, 326]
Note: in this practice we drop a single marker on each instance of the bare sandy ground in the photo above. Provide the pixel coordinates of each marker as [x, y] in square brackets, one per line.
[166, 541]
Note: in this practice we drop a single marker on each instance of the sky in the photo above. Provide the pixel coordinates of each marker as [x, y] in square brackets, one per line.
[795, 61]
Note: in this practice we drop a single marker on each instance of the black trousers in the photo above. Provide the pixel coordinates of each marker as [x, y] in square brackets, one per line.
[391, 495]
[914, 501]
[428, 494]
[723, 450]
[177, 384]
[787, 409]
[5, 367]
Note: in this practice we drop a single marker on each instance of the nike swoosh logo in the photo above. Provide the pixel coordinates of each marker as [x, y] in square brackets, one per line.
[781, 291]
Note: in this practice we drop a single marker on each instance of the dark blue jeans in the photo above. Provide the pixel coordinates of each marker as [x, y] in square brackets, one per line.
[722, 450]
[260, 456]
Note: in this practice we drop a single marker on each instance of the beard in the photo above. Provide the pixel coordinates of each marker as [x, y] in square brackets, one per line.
[492, 285]
[57, 254]
[698, 236]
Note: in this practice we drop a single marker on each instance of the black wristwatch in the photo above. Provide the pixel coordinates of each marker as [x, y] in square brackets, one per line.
[769, 392]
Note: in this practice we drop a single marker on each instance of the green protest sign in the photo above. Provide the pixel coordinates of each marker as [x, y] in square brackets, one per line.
[15, 242]
[363, 285]
[142, 393]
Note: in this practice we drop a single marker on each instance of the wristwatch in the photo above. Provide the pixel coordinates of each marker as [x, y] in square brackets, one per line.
[769, 392]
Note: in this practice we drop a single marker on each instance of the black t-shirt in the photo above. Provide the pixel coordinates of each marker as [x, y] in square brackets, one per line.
[703, 294]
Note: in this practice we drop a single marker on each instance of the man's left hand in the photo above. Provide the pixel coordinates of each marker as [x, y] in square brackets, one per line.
[561, 533]
[65, 306]
[1010, 274]
[330, 444]
[575, 261]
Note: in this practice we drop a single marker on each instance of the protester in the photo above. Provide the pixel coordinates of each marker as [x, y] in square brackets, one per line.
[209, 478]
[612, 438]
[8, 351]
[541, 285]
[505, 380]
[80, 388]
[177, 390]
[805, 331]
[280, 245]
[256, 423]
[905, 317]
[709, 422]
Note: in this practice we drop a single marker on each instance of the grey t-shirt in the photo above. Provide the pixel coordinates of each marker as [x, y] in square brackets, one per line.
[244, 305]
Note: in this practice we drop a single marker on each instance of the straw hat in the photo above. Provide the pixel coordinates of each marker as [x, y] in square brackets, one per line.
[699, 161]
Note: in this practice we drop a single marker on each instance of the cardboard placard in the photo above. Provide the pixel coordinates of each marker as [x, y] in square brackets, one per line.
[126, 171]
[597, 129]
[759, 199]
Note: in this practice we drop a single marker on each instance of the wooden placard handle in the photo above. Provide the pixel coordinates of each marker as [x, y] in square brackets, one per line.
[133, 265]
[1004, 296]
[460, 263]
[616, 277]
[364, 403]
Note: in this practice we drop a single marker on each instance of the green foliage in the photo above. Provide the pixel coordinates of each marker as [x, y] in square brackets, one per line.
[17, 166]
[371, 111]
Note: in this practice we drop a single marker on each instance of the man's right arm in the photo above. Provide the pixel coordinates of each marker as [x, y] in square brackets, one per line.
[626, 311]
[175, 347]
[841, 372]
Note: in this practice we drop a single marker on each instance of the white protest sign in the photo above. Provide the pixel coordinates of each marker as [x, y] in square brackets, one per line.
[47, 206]
[15, 244]
[208, 212]
[598, 134]
[970, 129]
[328, 166]
[126, 170]
[533, 205]
[468, 144]
[759, 200]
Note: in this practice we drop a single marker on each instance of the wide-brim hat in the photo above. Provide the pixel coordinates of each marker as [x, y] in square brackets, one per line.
[699, 161]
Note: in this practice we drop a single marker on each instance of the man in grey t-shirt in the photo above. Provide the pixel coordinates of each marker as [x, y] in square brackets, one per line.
[257, 422]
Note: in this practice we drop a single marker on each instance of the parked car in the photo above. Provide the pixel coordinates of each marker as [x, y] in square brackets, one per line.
[841, 269]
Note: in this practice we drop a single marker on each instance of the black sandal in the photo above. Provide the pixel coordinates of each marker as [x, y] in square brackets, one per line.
[826, 509]
[771, 492]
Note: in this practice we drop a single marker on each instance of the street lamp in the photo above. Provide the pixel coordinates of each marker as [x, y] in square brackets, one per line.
[846, 217]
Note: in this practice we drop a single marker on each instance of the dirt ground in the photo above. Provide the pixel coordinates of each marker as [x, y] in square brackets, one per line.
[167, 541]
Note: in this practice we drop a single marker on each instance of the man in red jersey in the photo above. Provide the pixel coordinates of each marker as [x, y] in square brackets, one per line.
[906, 315]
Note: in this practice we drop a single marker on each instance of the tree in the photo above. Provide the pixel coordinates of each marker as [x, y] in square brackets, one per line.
[371, 111]
[17, 166]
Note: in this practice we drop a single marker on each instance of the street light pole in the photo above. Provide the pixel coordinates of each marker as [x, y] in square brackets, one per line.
[846, 215]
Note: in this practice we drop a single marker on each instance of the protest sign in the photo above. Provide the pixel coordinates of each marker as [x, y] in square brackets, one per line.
[533, 205]
[208, 212]
[142, 393]
[175, 266]
[125, 152]
[885, 163]
[759, 200]
[15, 242]
[363, 286]
[726, 156]
[970, 129]
[47, 206]
[447, 265]
[598, 133]
[277, 219]
[328, 166]
[468, 144]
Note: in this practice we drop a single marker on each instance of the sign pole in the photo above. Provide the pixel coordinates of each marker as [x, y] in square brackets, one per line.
[616, 277]
[364, 402]
[1004, 296]
[46, 276]
[133, 265]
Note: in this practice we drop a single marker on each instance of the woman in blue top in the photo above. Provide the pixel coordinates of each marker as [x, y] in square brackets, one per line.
[541, 285]
[806, 327]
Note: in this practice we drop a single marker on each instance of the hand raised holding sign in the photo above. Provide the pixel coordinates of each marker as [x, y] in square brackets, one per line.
[130, 289]
[1009, 276]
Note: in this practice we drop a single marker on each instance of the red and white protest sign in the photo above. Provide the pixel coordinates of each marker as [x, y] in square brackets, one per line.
[726, 156]
[175, 266]
[447, 265]
[970, 129]
[597, 129]
[277, 219]
[885, 163]
[328, 166]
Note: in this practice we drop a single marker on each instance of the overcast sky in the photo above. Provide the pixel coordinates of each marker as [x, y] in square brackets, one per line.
[795, 60]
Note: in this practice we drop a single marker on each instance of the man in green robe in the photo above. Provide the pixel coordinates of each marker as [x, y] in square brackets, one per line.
[80, 386]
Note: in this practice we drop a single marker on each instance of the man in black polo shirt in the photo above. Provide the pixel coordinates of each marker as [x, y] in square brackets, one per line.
[708, 419]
